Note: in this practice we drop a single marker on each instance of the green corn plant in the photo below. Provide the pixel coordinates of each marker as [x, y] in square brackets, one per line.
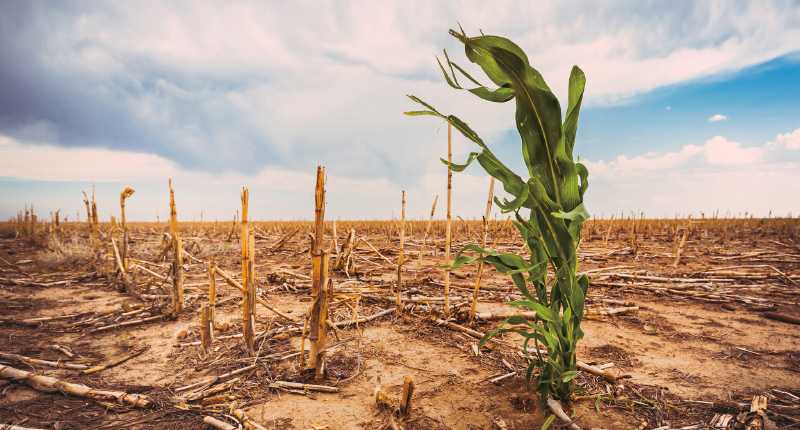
[548, 206]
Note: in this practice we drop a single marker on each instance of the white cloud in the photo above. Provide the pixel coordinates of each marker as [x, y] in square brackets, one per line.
[720, 175]
[720, 151]
[275, 192]
[716, 151]
[52, 163]
[788, 140]
[717, 117]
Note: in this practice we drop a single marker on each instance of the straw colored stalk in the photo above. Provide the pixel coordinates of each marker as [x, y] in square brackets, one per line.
[115, 246]
[344, 258]
[177, 255]
[212, 293]
[127, 192]
[239, 287]
[679, 249]
[447, 228]
[425, 236]
[112, 232]
[483, 245]
[96, 235]
[318, 327]
[400, 257]
[89, 219]
[206, 327]
[248, 293]
[50, 385]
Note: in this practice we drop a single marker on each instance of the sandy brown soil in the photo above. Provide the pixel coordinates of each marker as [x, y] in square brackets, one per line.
[688, 344]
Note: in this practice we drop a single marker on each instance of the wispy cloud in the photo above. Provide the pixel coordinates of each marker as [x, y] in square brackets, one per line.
[717, 151]
[720, 174]
[717, 117]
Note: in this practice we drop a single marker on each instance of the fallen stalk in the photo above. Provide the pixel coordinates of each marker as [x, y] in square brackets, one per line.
[307, 387]
[57, 364]
[113, 363]
[127, 323]
[235, 284]
[49, 384]
[214, 379]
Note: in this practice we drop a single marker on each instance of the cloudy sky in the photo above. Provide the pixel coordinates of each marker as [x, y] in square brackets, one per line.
[690, 106]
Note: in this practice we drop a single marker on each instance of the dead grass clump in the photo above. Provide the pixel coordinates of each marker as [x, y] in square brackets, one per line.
[7, 231]
[64, 255]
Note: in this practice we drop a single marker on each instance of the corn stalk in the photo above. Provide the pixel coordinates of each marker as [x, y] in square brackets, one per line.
[177, 255]
[548, 206]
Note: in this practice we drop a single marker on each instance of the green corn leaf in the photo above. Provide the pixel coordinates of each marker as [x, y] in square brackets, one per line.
[460, 167]
[549, 421]
[500, 95]
[577, 83]
[583, 173]
[557, 367]
[446, 76]
[517, 320]
[519, 282]
[579, 214]
[503, 263]
[466, 74]
[529, 372]
[419, 112]
[522, 303]
[489, 334]
[511, 206]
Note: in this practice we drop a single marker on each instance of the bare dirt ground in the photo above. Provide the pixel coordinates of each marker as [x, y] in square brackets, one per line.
[698, 344]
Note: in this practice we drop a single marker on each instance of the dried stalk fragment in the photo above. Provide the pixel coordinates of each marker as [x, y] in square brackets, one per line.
[50, 384]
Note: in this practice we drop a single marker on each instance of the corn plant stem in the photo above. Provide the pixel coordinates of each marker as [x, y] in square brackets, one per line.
[247, 266]
[478, 277]
[448, 222]
[197, 395]
[214, 379]
[127, 323]
[284, 240]
[218, 424]
[91, 228]
[301, 386]
[232, 282]
[425, 236]
[362, 239]
[113, 363]
[120, 264]
[57, 364]
[15, 267]
[400, 256]
[252, 293]
[177, 258]
[205, 331]
[555, 406]
[212, 295]
[317, 334]
[95, 235]
[150, 272]
[50, 384]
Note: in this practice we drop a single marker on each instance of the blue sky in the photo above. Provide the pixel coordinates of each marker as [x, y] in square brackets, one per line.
[690, 106]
